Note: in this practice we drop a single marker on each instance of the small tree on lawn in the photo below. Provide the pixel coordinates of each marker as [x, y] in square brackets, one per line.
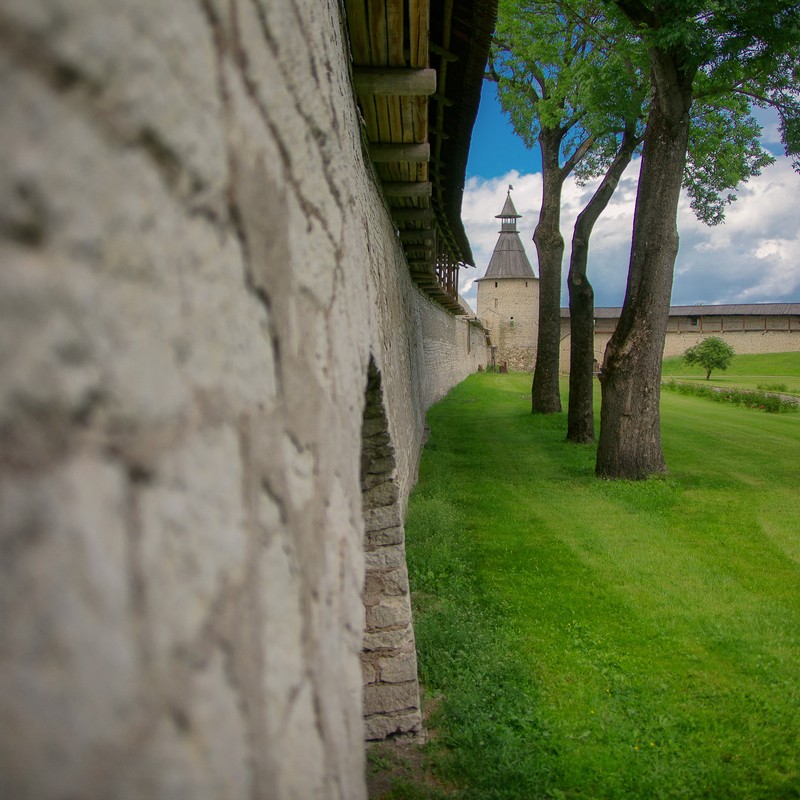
[711, 353]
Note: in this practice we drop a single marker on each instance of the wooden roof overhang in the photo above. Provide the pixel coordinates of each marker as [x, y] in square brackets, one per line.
[417, 69]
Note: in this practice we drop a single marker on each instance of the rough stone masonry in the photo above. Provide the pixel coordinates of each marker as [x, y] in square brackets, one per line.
[197, 271]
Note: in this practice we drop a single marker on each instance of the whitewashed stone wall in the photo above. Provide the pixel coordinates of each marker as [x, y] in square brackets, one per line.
[451, 348]
[197, 267]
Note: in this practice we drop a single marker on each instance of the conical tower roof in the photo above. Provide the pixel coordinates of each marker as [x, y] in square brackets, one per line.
[508, 208]
[508, 259]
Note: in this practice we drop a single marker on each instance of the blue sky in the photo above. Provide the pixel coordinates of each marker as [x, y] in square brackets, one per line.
[753, 257]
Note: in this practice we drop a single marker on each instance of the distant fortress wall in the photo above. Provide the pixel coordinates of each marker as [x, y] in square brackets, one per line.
[775, 330]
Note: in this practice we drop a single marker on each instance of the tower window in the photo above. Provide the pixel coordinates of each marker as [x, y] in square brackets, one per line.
[495, 284]
[526, 284]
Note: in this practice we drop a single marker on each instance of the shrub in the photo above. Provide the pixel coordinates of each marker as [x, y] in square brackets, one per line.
[773, 387]
[759, 400]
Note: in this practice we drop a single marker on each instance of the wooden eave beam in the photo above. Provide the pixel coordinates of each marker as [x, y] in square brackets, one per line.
[407, 189]
[440, 98]
[424, 237]
[412, 214]
[394, 153]
[447, 55]
[395, 81]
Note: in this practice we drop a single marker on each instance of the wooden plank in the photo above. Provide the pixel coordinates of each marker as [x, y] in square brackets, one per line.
[359, 36]
[395, 120]
[420, 116]
[407, 118]
[419, 27]
[377, 33]
[379, 57]
[384, 123]
[387, 153]
[394, 81]
[395, 24]
[367, 106]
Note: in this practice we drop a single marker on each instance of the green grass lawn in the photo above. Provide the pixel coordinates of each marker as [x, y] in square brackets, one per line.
[590, 639]
[745, 371]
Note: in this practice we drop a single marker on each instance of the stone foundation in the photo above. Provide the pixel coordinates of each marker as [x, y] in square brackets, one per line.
[389, 660]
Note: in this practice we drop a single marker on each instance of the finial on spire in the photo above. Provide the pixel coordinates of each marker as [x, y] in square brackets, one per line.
[510, 187]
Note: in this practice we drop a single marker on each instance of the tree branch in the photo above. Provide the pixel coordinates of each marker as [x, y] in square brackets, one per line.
[580, 151]
[637, 12]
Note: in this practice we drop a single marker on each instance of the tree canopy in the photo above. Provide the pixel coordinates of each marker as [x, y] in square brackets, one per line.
[712, 353]
[573, 84]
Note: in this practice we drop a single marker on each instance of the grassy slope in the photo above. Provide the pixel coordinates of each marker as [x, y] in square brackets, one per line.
[745, 371]
[596, 639]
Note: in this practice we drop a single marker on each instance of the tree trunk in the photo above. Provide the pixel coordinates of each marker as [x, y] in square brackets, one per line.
[545, 394]
[580, 416]
[630, 435]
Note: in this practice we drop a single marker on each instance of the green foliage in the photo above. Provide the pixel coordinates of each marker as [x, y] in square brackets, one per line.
[724, 150]
[712, 353]
[733, 49]
[773, 387]
[761, 400]
[570, 69]
[618, 640]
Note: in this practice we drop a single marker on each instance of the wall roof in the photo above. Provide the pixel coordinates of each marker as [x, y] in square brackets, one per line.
[418, 70]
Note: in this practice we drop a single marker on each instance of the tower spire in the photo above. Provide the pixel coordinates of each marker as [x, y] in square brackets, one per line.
[509, 259]
[508, 216]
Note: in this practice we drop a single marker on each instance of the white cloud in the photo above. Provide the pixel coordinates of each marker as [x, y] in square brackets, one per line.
[753, 257]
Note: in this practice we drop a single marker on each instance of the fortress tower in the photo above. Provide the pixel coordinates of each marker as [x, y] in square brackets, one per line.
[508, 296]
